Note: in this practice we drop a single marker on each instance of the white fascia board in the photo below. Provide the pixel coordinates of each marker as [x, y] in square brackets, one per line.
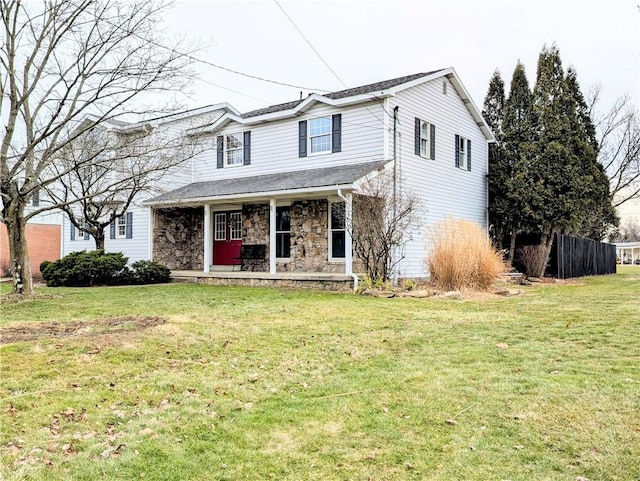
[302, 107]
[252, 195]
[313, 99]
[451, 74]
[223, 120]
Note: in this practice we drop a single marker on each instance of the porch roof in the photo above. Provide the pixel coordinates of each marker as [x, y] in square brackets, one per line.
[261, 185]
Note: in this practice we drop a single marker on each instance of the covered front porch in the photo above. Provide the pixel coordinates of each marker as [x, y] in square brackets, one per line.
[304, 228]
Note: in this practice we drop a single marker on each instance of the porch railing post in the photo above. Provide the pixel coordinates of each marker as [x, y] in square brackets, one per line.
[348, 248]
[272, 236]
[208, 246]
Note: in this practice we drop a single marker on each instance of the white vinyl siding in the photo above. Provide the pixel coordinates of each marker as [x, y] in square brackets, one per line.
[443, 189]
[274, 145]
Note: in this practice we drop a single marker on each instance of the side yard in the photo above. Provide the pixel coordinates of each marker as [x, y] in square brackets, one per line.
[192, 382]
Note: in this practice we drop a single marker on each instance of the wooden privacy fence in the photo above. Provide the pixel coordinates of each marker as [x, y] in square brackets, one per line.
[577, 257]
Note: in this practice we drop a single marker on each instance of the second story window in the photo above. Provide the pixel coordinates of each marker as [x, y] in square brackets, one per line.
[320, 135]
[425, 139]
[463, 153]
[233, 149]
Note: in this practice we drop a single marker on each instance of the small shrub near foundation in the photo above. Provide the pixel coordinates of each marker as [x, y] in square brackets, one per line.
[533, 259]
[462, 256]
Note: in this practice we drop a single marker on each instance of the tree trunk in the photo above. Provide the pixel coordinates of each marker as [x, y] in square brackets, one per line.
[546, 242]
[512, 247]
[18, 253]
[98, 236]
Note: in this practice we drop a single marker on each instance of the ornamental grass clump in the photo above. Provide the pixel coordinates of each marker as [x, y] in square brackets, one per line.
[462, 256]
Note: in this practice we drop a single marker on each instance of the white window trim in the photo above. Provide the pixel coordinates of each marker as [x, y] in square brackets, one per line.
[233, 215]
[215, 228]
[226, 149]
[462, 153]
[330, 134]
[427, 152]
[121, 221]
[330, 231]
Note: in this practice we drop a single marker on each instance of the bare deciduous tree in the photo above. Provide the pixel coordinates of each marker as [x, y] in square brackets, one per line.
[619, 145]
[61, 61]
[382, 222]
[107, 169]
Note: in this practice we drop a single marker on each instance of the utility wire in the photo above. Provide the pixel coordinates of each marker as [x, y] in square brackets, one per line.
[310, 45]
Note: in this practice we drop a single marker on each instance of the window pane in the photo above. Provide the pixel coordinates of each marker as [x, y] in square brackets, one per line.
[283, 244]
[423, 147]
[337, 215]
[235, 226]
[220, 227]
[337, 244]
[283, 219]
[320, 126]
[321, 144]
[234, 141]
[234, 157]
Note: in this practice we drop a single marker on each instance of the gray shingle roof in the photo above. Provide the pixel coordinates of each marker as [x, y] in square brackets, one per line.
[301, 179]
[364, 89]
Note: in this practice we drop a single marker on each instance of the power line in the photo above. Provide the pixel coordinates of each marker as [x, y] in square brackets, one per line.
[310, 45]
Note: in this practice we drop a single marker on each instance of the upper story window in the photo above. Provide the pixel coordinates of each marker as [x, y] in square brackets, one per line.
[121, 227]
[320, 135]
[233, 149]
[463, 153]
[425, 139]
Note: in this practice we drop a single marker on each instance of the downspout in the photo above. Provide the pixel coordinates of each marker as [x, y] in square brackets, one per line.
[394, 281]
[347, 204]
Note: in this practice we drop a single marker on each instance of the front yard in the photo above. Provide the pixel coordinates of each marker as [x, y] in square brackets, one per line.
[188, 382]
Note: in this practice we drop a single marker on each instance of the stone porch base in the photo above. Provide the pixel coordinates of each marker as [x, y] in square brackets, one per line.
[312, 280]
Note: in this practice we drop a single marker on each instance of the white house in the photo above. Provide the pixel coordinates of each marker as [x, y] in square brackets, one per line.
[282, 177]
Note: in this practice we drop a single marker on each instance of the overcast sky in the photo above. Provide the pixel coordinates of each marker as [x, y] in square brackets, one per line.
[368, 41]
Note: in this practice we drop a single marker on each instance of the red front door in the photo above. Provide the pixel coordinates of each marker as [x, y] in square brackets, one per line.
[227, 238]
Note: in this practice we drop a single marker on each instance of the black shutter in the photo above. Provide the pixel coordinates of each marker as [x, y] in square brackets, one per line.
[129, 228]
[73, 231]
[457, 150]
[86, 232]
[336, 133]
[220, 144]
[417, 136]
[112, 230]
[247, 147]
[302, 138]
[432, 142]
[468, 155]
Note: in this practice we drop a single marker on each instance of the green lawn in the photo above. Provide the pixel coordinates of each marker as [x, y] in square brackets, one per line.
[252, 383]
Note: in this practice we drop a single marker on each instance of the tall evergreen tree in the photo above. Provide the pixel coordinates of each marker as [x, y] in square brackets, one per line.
[493, 113]
[519, 137]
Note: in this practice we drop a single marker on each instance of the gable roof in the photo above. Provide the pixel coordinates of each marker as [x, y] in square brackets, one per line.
[351, 96]
[363, 89]
[315, 179]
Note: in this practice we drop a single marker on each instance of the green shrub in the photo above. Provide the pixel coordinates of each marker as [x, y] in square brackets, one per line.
[149, 272]
[83, 269]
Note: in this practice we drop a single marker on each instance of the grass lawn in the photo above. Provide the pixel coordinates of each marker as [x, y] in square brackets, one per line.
[253, 383]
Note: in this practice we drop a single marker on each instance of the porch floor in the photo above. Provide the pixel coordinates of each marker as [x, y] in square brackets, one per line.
[314, 280]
